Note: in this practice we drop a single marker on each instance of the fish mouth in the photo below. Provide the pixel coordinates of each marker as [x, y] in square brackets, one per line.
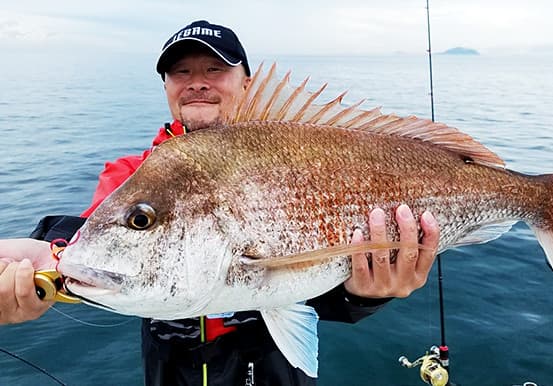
[71, 285]
[76, 287]
[91, 282]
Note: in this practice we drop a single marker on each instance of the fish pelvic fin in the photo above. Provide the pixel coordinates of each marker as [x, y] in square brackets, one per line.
[269, 98]
[326, 253]
[294, 331]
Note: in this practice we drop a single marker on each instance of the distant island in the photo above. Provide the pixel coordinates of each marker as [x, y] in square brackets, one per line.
[460, 51]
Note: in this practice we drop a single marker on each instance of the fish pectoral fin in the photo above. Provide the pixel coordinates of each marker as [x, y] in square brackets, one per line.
[325, 253]
[294, 330]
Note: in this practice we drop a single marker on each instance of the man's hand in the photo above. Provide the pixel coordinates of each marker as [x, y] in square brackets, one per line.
[19, 258]
[409, 272]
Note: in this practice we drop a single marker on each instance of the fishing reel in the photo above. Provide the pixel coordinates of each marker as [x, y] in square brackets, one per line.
[432, 371]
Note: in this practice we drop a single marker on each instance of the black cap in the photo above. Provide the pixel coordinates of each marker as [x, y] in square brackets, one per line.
[221, 40]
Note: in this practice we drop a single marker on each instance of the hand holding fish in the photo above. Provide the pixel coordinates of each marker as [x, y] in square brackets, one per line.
[18, 260]
[411, 268]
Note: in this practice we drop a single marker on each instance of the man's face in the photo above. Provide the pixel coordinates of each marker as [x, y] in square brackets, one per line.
[202, 88]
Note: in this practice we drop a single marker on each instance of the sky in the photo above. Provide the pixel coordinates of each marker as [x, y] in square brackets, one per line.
[340, 27]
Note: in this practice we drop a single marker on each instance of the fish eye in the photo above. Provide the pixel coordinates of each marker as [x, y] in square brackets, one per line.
[141, 217]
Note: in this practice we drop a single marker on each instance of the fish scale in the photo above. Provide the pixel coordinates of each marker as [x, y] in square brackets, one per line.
[317, 195]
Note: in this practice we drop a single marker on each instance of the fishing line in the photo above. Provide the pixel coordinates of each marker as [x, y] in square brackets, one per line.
[443, 349]
[17, 357]
[434, 365]
[33, 366]
[89, 323]
[430, 60]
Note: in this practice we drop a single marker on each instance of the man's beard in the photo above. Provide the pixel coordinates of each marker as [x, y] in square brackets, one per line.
[192, 125]
[197, 124]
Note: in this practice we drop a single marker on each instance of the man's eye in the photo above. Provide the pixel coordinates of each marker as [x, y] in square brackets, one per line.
[214, 69]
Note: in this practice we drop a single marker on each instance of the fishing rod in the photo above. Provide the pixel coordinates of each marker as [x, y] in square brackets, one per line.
[15, 356]
[434, 365]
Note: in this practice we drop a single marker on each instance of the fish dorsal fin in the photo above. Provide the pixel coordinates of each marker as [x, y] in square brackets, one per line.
[269, 98]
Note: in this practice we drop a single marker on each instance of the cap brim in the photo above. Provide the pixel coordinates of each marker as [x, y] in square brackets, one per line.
[176, 50]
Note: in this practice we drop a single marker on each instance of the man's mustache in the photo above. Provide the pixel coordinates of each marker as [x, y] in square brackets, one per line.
[199, 96]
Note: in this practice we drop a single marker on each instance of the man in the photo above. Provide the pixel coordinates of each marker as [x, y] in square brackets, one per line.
[205, 71]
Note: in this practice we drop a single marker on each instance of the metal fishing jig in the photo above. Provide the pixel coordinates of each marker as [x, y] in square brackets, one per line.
[49, 286]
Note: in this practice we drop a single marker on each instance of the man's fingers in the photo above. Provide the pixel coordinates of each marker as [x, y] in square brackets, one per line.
[25, 292]
[18, 299]
[430, 239]
[411, 269]
[8, 304]
[3, 265]
[359, 263]
[406, 257]
[407, 225]
[380, 258]
[377, 227]
[7, 282]
[38, 251]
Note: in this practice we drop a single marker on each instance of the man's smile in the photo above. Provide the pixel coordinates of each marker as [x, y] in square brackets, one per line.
[199, 102]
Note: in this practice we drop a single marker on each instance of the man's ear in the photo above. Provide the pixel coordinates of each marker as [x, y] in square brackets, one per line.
[247, 82]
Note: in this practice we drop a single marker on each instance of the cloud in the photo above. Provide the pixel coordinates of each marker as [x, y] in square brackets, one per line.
[67, 30]
[16, 28]
[285, 27]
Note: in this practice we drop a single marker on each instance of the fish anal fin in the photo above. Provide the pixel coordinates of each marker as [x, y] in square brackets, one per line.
[485, 233]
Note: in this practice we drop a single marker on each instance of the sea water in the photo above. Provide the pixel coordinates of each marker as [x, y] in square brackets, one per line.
[62, 116]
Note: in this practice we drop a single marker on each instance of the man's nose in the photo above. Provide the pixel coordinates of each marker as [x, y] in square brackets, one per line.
[198, 81]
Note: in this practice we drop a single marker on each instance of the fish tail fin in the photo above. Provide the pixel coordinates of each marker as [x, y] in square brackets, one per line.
[543, 227]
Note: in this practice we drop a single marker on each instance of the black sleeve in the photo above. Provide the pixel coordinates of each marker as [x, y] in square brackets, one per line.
[340, 306]
[57, 227]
